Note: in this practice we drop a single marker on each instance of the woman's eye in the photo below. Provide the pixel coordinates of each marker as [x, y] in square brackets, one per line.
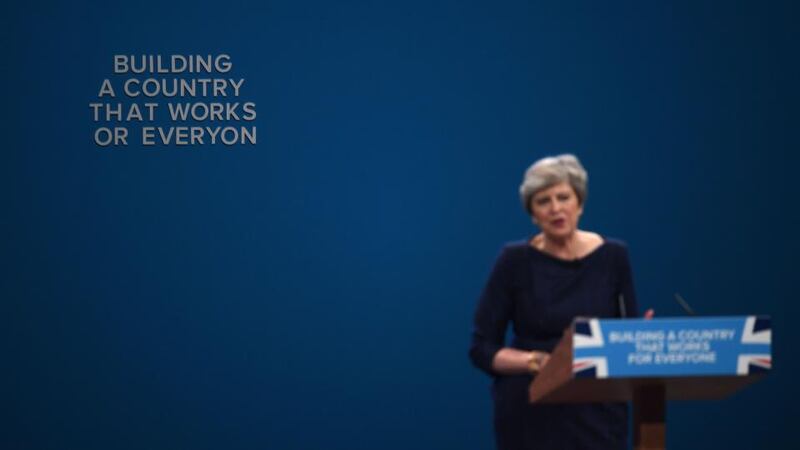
[563, 197]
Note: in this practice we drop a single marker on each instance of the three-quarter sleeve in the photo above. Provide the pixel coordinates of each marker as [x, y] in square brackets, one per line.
[625, 287]
[493, 314]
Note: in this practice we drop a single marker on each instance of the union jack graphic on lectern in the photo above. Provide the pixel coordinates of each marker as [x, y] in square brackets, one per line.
[587, 334]
[757, 331]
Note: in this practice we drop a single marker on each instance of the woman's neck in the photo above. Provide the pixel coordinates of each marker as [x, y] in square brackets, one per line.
[567, 247]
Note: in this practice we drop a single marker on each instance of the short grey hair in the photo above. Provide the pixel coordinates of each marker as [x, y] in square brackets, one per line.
[550, 171]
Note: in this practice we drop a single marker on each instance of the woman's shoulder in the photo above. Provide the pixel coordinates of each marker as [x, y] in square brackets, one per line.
[511, 256]
[615, 243]
[514, 252]
[616, 248]
[516, 248]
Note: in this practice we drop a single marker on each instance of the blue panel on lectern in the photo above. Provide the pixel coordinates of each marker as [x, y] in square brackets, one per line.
[671, 347]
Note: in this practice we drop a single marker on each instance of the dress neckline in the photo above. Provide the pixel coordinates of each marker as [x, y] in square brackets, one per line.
[567, 261]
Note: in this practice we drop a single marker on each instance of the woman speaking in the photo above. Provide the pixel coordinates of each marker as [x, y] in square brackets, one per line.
[538, 286]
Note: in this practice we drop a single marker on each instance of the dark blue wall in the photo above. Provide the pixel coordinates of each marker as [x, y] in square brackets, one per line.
[316, 291]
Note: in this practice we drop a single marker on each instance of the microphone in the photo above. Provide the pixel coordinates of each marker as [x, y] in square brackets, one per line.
[684, 305]
[623, 311]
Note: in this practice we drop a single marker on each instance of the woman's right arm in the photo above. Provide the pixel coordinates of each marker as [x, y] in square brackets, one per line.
[494, 311]
[511, 361]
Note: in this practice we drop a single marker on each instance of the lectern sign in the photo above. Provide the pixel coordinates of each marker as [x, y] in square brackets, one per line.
[649, 362]
[671, 347]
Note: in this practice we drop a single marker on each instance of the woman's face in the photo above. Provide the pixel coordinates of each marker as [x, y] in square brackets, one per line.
[556, 210]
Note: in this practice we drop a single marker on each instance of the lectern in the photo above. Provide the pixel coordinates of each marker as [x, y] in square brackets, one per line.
[649, 362]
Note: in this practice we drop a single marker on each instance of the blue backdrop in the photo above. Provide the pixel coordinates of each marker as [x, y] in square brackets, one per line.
[315, 291]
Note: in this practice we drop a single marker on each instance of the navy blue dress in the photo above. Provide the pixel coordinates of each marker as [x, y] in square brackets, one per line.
[539, 295]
